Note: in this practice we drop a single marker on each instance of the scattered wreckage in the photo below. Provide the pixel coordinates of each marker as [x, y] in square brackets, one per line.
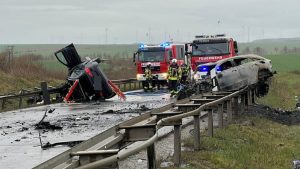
[85, 81]
[235, 73]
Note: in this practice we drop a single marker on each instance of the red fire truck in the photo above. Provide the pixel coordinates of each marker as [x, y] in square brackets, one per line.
[159, 56]
[211, 48]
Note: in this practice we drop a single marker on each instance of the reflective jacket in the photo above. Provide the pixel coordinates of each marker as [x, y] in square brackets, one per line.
[185, 69]
[174, 72]
[148, 74]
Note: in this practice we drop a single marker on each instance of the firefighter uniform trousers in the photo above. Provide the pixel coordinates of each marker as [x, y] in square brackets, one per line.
[174, 75]
[184, 74]
[148, 76]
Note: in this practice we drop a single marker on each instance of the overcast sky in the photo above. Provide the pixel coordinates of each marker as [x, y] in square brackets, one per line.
[129, 21]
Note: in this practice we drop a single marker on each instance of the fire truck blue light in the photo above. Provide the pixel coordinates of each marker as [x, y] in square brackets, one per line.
[142, 45]
[165, 44]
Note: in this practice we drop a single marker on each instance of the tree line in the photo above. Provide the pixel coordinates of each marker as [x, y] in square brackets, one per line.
[276, 50]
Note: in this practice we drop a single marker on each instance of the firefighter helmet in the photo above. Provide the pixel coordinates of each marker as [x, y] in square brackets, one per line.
[148, 64]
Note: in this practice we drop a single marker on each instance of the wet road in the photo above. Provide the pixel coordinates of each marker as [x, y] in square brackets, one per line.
[19, 140]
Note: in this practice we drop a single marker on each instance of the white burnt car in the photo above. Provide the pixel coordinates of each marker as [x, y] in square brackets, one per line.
[235, 73]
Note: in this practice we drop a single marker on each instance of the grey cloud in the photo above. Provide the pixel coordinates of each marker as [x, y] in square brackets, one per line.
[56, 21]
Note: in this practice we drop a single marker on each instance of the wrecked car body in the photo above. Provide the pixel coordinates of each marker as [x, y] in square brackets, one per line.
[237, 72]
[201, 77]
[85, 81]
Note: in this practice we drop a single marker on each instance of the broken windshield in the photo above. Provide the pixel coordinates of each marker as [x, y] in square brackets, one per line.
[205, 49]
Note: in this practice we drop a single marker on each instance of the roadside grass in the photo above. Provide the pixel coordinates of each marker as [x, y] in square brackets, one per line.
[53, 65]
[285, 84]
[11, 84]
[283, 89]
[263, 145]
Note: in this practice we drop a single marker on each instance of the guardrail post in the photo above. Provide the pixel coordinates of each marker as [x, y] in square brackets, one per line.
[253, 96]
[125, 86]
[242, 104]
[249, 97]
[130, 86]
[3, 103]
[46, 95]
[134, 85]
[229, 110]
[246, 95]
[151, 157]
[246, 103]
[210, 123]
[198, 89]
[235, 105]
[220, 115]
[21, 99]
[177, 145]
[196, 132]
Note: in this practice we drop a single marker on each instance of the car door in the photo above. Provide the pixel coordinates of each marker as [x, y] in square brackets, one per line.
[248, 71]
[68, 56]
[228, 77]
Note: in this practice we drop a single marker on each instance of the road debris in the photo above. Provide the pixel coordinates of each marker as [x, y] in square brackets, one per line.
[47, 125]
[282, 116]
[68, 143]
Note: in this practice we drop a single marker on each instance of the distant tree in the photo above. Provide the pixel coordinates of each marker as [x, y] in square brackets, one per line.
[99, 55]
[3, 60]
[276, 50]
[246, 50]
[258, 50]
[285, 49]
[117, 55]
[295, 50]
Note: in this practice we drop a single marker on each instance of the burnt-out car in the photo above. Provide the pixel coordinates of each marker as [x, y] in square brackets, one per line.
[237, 72]
[85, 80]
[201, 77]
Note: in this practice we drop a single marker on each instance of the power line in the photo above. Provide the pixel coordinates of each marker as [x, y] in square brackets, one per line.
[106, 35]
[248, 34]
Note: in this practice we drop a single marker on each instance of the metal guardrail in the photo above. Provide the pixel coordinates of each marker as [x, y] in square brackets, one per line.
[128, 84]
[45, 91]
[229, 100]
[149, 142]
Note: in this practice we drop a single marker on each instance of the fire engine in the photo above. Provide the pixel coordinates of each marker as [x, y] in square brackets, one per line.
[159, 56]
[211, 48]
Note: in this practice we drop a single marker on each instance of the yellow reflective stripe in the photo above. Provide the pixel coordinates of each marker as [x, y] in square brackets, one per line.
[172, 78]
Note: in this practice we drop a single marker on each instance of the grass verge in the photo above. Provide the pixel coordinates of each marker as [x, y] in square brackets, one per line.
[283, 89]
[254, 142]
[11, 84]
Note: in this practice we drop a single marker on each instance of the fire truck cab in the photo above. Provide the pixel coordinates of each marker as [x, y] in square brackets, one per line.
[159, 56]
[211, 48]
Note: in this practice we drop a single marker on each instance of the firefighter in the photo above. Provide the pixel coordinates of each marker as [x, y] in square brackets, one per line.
[185, 70]
[174, 75]
[149, 77]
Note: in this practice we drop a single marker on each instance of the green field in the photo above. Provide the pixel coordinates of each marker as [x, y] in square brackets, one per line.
[88, 50]
[285, 63]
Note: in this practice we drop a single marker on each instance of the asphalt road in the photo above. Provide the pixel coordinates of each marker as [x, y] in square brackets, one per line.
[19, 140]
